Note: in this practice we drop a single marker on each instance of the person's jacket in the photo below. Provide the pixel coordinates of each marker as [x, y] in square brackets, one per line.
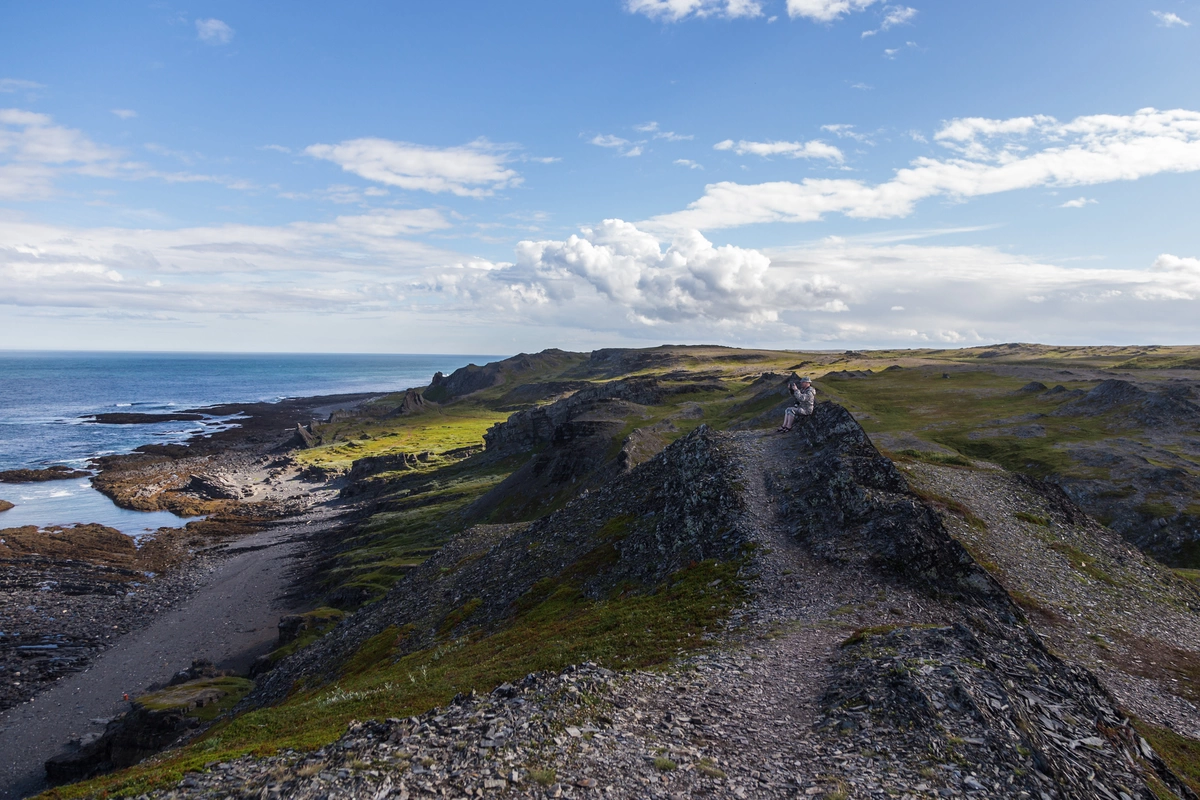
[805, 398]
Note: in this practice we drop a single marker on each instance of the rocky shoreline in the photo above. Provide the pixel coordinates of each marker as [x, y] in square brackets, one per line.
[69, 593]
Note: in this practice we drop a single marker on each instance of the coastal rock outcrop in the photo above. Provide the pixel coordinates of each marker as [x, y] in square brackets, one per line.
[55, 473]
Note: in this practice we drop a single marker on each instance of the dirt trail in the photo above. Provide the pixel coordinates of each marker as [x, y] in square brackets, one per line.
[750, 708]
[230, 620]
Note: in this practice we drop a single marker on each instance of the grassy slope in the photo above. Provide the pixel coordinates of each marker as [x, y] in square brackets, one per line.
[557, 626]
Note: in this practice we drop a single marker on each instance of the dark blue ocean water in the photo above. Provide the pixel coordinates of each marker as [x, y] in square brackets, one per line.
[43, 396]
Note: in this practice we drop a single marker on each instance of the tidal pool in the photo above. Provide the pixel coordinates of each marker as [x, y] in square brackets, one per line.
[70, 501]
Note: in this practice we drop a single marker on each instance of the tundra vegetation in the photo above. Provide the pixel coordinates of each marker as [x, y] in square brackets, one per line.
[508, 454]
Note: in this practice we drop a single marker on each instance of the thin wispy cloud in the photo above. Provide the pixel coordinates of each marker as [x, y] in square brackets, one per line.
[893, 16]
[477, 169]
[678, 10]
[670, 136]
[1079, 202]
[623, 147]
[1169, 19]
[990, 157]
[10, 85]
[844, 131]
[124, 113]
[213, 31]
[813, 149]
[687, 162]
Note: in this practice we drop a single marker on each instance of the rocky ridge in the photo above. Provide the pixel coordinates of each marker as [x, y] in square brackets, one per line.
[853, 671]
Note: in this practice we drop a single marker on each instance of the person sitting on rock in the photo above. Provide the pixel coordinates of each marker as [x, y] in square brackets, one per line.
[806, 398]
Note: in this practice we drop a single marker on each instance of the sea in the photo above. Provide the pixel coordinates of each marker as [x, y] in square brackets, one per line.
[45, 396]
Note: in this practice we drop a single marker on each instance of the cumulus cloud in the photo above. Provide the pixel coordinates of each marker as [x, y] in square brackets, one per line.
[687, 162]
[690, 279]
[472, 170]
[213, 31]
[1079, 202]
[826, 10]
[1168, 19]
[813, 149]
[677, 10]
[988, 156]
[618, 277]
[893, 16]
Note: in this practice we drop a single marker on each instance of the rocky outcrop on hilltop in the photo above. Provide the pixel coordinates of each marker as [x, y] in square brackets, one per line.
[1127, 404]
[848, 504]
[472, 378]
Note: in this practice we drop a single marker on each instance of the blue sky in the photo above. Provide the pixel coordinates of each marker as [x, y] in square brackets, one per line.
[487, 177]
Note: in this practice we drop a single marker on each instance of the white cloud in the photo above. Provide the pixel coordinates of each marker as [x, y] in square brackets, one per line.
[676, 10]
[124, 113]
[278, 148]
[843, 131]
[826, 10]
[893, 16]
[615, 278]
[658, 133]
[687, 162]
[608, 140]
[33, 151]
[623, 146]
[690, 280]
[350, 264]
[1079, 202]
[618, 277]
[473, 170]
[213, 31]
[10, 85]
[813, 149]
[1085, 151]
[1168, 19]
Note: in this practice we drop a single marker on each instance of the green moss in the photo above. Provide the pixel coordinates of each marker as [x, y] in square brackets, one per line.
[953, 506]
[1084, 563]
[319, 622]
[935, 458]
[459, 615]
[542, 777]
[1155, 509]
[1181, 753]
[203, 699]
[1033, 518]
